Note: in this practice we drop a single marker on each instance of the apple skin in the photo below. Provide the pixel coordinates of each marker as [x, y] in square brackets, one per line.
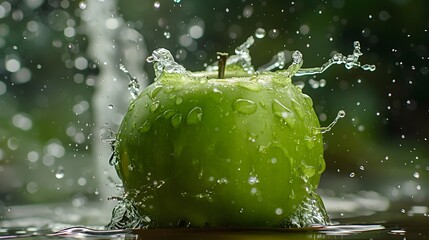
[234, 152]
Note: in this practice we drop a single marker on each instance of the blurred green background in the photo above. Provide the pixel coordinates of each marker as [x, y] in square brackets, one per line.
[48, 77]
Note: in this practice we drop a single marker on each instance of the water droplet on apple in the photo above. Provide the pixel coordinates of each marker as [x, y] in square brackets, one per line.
[298, 109]
[179, 101]
[154, 106]
[216, 95]
[284, 113]
[322, 165]
[250, 86]
[245, 106]
[308, 171]
[309, 142]
[176, 120]
[145, 127]
[292, 194]
[155, 91]
[194, 116]
[308, 100]
[168, 113]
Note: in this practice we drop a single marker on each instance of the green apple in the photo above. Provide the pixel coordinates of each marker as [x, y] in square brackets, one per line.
[239, 151]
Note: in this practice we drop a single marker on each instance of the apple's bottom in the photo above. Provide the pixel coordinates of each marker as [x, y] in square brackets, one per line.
[311, 211]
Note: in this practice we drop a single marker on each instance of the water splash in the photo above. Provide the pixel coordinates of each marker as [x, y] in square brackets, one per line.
[126, 216]
[133, 85]
[293, 69]
[242, 58]
[164, 62]
[311, 211]
[278, 61]
[349, 62]
[83, 232]
[328, 128]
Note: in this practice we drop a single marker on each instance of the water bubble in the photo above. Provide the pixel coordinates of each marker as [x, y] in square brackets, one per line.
[32, 156]
[416, 175]
[176, 1]
[81, 181]
[194, 116]
[22, 121]
[12, 65]
[245, 106]
[260, 33]
[352, 174]
[32, 187]
[304, 29]
[156, 4]
[110, 106]
[279, 211]
[196, 31]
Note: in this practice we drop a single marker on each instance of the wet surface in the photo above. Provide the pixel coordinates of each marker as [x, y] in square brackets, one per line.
[413, 224]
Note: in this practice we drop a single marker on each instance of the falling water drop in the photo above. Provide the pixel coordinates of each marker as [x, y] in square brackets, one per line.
[133, 85]
[260, 33]
[167, 35]
[60, 172]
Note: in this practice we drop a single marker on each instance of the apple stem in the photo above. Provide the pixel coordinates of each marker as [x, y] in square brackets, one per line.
[222, 57]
